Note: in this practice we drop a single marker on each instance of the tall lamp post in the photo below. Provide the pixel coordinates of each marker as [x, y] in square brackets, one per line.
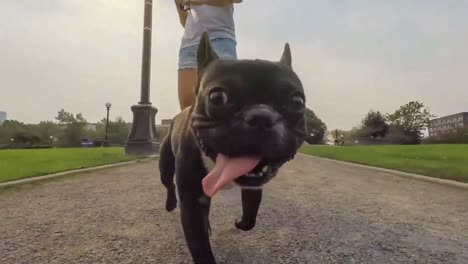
[106, 139]
[142, 138]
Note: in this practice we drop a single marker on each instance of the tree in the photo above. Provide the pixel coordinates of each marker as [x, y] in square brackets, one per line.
[350, 136]
[411, 118]
[27, 134]
[45, 130]
[65, 117]
[23, 139]
[373, 125]
[74, 128]
[316, 128]
[118, 131]
[9, 128]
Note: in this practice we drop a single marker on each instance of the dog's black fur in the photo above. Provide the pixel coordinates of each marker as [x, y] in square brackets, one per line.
[244, 107]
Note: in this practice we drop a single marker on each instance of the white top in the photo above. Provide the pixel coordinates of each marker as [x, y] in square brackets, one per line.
[218, 21]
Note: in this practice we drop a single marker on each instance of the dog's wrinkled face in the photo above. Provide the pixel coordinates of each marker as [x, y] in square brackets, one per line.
[249, 108]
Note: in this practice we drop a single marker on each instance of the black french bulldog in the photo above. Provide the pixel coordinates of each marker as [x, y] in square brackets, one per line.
[248, 120]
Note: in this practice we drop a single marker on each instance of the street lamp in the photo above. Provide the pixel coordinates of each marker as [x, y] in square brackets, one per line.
[106, 141]
[142, 138]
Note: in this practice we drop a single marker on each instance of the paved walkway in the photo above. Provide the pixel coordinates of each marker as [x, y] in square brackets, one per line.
[315, 211]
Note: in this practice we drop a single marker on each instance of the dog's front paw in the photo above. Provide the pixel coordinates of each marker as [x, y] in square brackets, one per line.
[171, 202]
[171, 205]
[244, 226]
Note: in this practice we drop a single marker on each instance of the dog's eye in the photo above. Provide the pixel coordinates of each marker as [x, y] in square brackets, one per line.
[297, 102]
[218, 98]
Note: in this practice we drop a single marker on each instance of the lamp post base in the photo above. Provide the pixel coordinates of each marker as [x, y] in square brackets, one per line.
[142, 138]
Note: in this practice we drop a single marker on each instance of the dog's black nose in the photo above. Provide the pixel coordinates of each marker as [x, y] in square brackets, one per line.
[262, 117]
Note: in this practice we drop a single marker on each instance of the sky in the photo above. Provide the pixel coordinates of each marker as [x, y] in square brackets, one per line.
[351, 55]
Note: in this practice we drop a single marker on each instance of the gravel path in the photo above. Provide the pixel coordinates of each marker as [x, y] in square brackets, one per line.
[315, 211]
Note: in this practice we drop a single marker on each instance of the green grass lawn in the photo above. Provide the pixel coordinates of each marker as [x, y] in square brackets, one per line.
[441, 161]
[23, 163]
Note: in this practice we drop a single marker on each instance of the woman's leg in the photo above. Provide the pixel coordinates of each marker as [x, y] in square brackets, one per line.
[187, 76]
[187, 80]
[188, 73]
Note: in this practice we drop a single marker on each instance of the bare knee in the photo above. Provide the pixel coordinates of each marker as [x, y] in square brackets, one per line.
[187, 80]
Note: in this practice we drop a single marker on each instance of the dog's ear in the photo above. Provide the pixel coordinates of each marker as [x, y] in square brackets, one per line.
[286, 57]
[205, 53]
[205, 56]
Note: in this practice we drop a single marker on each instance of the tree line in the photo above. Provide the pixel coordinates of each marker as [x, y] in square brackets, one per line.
[69, 130]
[404, 126]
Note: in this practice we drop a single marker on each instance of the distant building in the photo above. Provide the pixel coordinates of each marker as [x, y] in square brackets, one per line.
[165, 123]
[447, 124]
[91, 126]
[163, 128]
[3, 117]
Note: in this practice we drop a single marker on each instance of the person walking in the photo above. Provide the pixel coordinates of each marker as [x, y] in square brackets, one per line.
[196, 16]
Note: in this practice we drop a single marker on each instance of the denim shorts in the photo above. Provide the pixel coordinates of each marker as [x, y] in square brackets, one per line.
[225, 48]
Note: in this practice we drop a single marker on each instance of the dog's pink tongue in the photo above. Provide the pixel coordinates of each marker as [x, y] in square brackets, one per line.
[226, 170]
